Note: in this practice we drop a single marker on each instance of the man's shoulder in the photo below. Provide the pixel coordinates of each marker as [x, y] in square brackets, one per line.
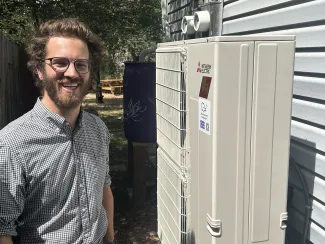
[15, 129]
[94, 121]
[96, 126]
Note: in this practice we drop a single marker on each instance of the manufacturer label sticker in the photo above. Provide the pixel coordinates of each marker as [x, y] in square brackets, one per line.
[204, 115]
[204, 68]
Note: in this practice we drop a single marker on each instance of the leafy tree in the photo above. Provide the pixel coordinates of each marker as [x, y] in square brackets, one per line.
[125, 26]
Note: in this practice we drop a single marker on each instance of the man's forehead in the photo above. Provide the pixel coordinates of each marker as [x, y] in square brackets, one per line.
[67, 46]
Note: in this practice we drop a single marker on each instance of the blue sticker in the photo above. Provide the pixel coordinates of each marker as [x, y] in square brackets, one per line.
[202, 124]
[207, 127]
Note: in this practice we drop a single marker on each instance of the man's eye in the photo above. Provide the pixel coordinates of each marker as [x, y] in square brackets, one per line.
[59, 63]
[82, 65]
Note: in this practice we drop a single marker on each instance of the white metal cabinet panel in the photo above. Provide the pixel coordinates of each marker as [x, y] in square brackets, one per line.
[273, 149]
[233, 89]
[262, 147]
[226, 153]
[233, 101]
[221, 160]
[307, 12]
[309, 87]
[244, 6]
[204, 188]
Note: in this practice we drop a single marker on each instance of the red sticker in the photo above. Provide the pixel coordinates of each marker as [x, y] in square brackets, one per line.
[205, 87]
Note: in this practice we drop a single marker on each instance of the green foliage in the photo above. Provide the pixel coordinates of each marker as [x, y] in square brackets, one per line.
[125, 26]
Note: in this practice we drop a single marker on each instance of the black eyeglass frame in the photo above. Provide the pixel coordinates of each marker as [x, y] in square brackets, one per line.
[74, 64]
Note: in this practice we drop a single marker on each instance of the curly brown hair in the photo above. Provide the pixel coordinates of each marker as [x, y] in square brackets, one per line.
[66, 27]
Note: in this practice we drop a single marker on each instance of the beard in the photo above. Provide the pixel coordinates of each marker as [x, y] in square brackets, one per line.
[62, 99]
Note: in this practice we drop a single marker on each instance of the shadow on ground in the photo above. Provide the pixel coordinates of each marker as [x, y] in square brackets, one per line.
[133, 225]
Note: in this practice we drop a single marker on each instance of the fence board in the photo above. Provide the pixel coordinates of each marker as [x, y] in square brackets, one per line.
[17, 91]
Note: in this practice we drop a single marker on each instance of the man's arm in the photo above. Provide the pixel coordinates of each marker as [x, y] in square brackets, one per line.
[108, 203]
[12, 188]
[6, 240]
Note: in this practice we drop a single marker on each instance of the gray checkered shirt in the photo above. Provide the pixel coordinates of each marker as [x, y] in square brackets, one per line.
[52, 178]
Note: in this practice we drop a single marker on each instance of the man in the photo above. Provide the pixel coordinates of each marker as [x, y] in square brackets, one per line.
[54, 177]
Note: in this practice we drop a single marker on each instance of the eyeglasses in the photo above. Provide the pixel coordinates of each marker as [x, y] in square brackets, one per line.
[61, 65]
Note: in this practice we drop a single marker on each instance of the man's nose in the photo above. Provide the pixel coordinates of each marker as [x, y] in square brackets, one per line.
[71, 71]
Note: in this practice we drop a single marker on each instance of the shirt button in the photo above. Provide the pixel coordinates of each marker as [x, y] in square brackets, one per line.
[84, 210]
[86, 235]
[57, 129]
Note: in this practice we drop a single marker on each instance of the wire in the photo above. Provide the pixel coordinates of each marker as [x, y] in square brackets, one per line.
[287, 241]
[308, 206]
[289, 203]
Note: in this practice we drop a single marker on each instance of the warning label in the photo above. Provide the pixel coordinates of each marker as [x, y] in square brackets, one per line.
[204, 115]
[205, 87]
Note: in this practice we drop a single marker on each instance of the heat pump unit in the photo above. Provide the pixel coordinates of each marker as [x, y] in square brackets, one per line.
[223, 131]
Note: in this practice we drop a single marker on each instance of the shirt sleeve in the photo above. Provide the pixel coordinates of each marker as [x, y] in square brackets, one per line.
[12, 191]
[108, 180]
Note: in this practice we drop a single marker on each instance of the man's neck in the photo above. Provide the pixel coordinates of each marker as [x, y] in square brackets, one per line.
[71, 114]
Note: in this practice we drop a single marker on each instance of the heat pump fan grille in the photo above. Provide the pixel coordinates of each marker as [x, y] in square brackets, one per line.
[171, 104]
[173, 199]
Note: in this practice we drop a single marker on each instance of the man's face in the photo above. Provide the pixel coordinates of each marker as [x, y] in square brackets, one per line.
[66, 89]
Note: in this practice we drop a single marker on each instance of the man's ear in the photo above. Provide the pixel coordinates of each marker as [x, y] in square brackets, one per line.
[39, 73]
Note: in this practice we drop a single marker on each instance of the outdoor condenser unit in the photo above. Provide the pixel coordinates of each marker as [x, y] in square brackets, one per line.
[223, 131]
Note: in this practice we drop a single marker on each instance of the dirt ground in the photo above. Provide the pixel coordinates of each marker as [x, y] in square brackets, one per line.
[133, 225]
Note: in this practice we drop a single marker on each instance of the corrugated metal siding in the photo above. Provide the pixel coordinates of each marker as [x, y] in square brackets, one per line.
[306, 20]
[177, 9]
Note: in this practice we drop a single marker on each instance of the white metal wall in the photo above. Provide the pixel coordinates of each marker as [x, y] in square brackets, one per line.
[306, 20]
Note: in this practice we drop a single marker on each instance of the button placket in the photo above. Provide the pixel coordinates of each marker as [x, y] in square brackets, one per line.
[83, 206]
[82, 195]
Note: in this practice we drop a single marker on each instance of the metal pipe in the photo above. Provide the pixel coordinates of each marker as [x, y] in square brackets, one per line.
[146, 52]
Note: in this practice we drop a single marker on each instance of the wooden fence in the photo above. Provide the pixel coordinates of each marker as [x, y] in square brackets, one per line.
[17, 90]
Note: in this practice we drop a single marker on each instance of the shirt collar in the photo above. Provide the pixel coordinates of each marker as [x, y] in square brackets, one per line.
[54, 119]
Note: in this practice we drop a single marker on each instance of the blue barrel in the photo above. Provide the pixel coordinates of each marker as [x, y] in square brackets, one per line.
[139, 101]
